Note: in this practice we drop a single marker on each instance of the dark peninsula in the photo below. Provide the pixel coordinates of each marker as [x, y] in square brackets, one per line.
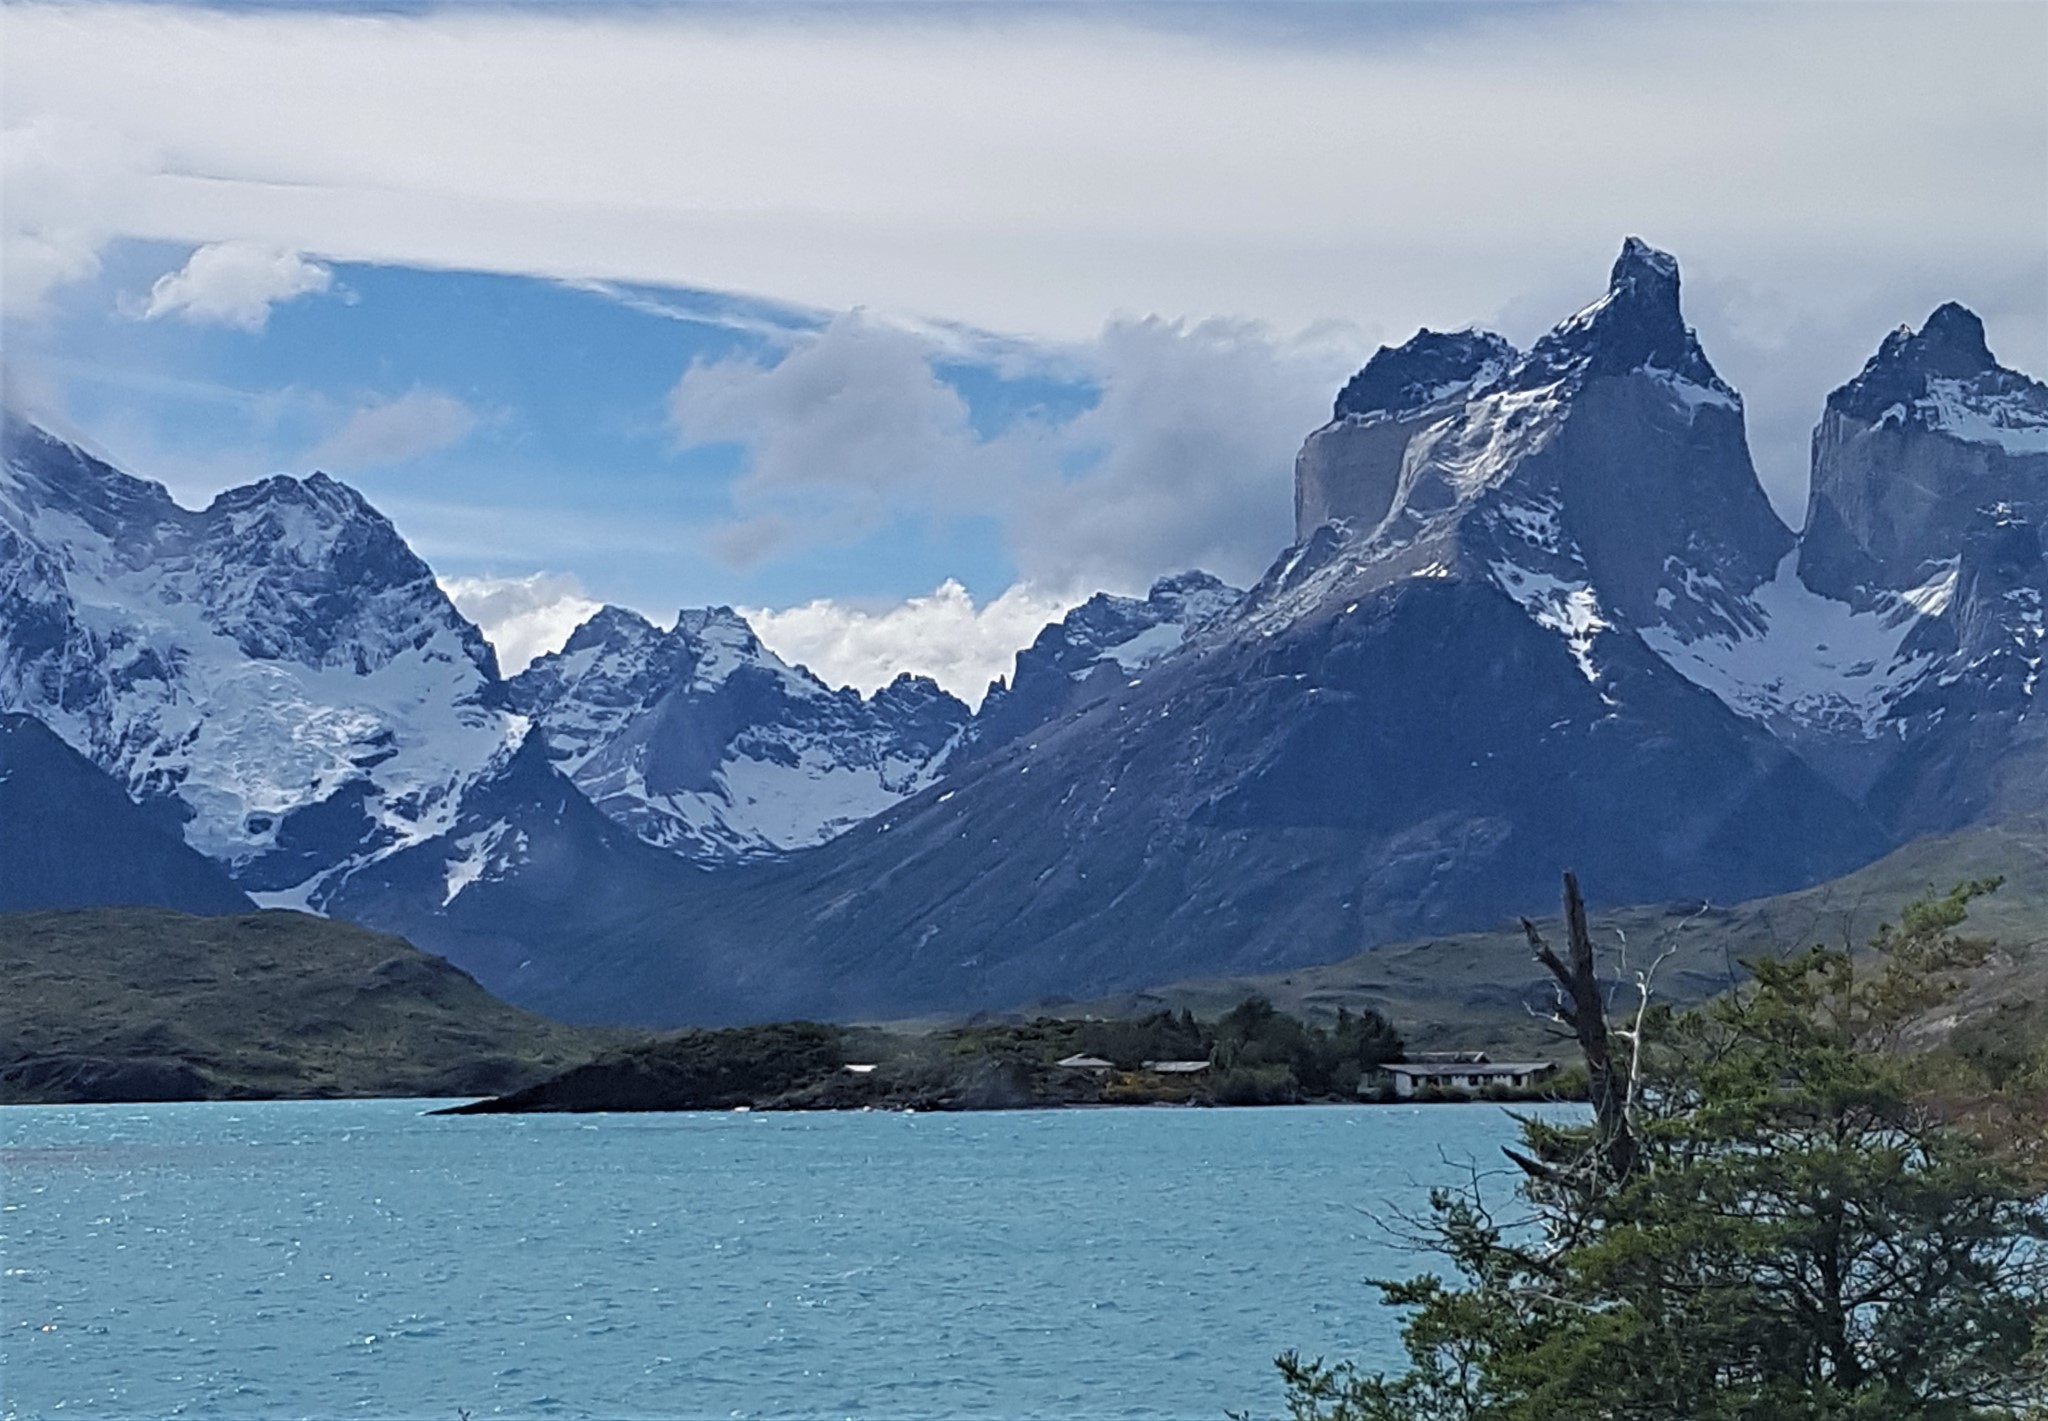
[1252, 1055]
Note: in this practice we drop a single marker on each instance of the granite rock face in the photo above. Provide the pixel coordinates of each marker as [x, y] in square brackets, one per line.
[1933, 430]
[1350, 469]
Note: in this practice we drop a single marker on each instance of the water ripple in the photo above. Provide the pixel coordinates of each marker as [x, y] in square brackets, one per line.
[303, 1259]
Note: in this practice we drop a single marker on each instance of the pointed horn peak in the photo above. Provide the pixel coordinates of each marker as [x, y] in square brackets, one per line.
[1639, 260]
[1954, 335]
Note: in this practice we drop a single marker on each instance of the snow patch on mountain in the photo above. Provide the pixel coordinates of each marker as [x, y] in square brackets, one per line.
[1817, 662]
[473, 858]
[761, 805]
[1959, 409]
[1569, 608]
[1692, 396]
[280, 654]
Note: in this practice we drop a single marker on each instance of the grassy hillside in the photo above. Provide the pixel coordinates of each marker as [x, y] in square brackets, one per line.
[147, 1003]
[144, 1003]
[1478, 989]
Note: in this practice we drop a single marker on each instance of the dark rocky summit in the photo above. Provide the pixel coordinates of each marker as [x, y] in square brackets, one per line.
[1931, 431]
[1426, 372]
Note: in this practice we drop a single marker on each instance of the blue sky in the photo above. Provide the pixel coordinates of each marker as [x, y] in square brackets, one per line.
[905, 326]
[539, 431]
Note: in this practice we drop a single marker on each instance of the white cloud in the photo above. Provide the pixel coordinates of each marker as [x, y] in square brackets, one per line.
[1184, 461]
[848, 427]
[32, 264]
[234, 284]
[1037, 170]
[60, 183]
[1193, 440]
[522, 617]
[944, 636]
[392, 431]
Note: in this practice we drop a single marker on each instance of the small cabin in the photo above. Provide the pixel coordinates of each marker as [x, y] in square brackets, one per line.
[1176, 1068]
[1084, 1063]
[1462, 1070]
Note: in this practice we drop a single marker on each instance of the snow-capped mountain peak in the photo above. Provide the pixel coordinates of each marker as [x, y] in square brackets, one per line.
[306, 570]
[703, 741]
[1932, 429]
[725, 645]
[279, 666]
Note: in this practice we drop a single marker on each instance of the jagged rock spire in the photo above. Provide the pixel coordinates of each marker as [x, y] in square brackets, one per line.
[1637, 324]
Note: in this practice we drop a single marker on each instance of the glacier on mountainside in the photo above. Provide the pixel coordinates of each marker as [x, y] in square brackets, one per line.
[1813, 661]
[279, 664]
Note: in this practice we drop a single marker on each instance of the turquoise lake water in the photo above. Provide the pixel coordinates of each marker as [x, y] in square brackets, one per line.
[358, 1258]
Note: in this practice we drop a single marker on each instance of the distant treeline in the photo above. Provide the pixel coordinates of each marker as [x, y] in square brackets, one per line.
[1255, 1055]
[1258, 1055]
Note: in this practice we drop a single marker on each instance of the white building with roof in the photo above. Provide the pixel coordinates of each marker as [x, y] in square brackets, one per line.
[1463, 1071]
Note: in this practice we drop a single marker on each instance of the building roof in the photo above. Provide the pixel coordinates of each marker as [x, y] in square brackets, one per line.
[1176, 1068]
[1085, 1063]
[1468, 1068]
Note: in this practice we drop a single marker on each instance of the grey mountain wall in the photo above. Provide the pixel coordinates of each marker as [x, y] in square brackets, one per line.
[1932, 431]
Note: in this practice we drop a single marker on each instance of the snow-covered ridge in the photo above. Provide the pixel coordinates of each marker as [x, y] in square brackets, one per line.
[704, 742]
[279, 663]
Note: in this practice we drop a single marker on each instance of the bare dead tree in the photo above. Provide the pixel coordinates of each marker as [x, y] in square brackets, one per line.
[1610, 1083]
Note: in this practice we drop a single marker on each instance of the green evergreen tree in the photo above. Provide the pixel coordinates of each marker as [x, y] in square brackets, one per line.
[1798, 1227]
